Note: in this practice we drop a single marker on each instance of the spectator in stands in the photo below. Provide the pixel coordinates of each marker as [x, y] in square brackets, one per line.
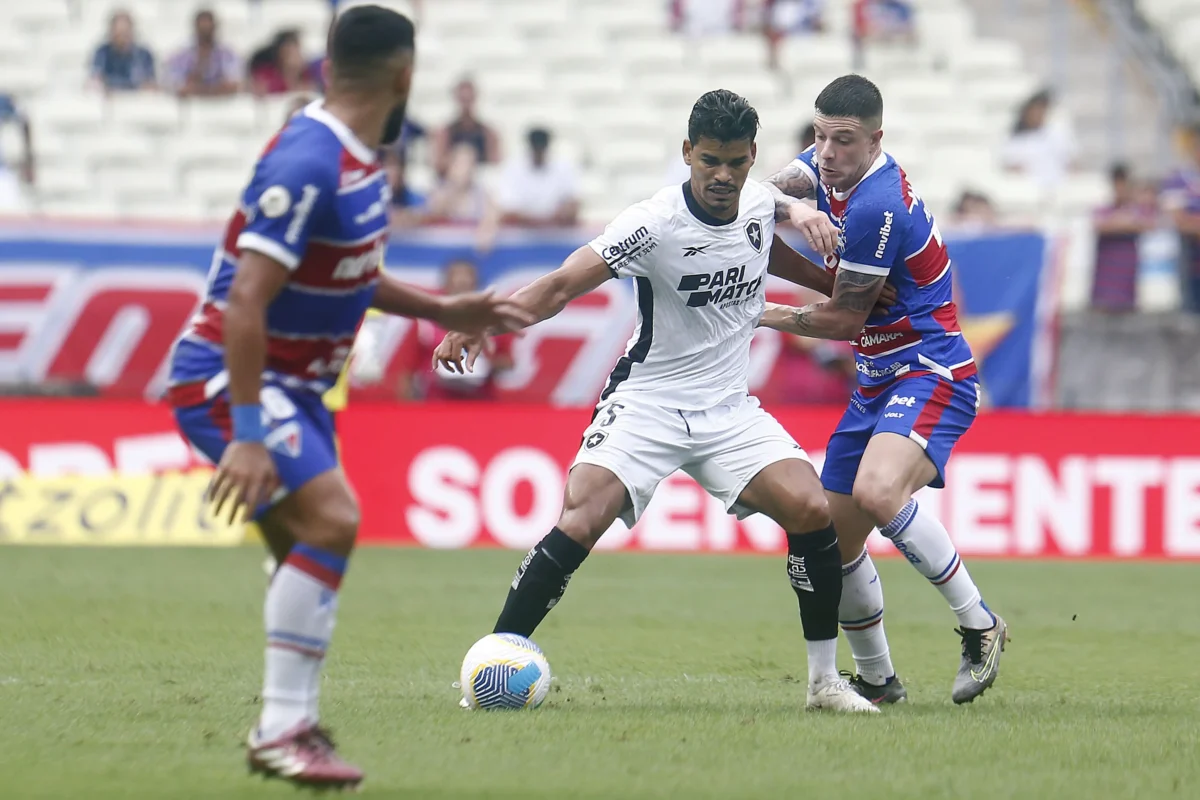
[1039, 147]
[884, 21]
[408, 206]
[207, 68]
[1120, 228]
[1181, 199]
[783, 18]
[536, 190]
[466, 128]
[974, 210]
[280, 67]
[121, 64]
[461, 197]
[416, 382]
[11, 197]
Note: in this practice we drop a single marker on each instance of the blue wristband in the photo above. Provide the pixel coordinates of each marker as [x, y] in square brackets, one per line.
[247, 423]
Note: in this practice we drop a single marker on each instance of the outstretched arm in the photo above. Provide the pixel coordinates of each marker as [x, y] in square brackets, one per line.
[841, 317]
[582, 272]
[474, 311]
[790, 187]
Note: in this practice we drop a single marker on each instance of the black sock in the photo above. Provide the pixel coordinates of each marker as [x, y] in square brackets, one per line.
[815, 570]
[540, 582]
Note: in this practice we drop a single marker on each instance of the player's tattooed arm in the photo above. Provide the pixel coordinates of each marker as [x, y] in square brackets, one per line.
[841, 317]
[790, 187]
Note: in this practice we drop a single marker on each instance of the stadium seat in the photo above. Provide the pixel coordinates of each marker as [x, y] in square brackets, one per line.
[80, 206]
[38, 16]
[222, 115]
[129, 181]
[215, 186]
[829, 56]
[67, 112]
[118, 148]
[63, 182]
[149, 111]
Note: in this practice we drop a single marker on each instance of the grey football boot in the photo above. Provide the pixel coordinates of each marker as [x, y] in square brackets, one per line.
[980, 665]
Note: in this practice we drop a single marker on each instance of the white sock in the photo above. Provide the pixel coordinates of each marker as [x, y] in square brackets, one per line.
[822, 661]
[861, 617]
[300, 612]
[924, 542]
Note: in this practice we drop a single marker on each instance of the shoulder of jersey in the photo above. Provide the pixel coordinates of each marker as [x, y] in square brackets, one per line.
[305, 139]
[755, 193]
[883, 191]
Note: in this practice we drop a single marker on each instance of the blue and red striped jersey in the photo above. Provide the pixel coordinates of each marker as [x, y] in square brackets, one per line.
[885, 229]
[317, 204]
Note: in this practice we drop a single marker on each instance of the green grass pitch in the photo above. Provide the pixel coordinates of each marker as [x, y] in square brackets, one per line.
[134, 674]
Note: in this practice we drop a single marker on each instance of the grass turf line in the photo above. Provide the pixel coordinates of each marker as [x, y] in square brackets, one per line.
[134, 674]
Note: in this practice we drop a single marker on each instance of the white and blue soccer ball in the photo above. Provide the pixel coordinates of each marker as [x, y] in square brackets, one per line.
[504, 671]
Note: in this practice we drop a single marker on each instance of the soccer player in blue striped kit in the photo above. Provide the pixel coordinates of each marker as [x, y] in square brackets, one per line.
[290, 284]
[918, 386]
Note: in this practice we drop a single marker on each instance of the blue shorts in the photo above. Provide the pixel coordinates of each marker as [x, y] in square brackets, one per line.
[926, 408]
[300, 436]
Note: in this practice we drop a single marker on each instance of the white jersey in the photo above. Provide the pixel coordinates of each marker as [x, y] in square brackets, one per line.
[700, 288]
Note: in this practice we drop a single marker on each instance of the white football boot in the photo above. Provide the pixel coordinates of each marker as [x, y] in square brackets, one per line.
[836, 694]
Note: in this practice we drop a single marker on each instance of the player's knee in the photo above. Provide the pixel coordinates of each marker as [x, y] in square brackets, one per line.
[880, 495]
[335, 527]
[584, 524]
[805, 511]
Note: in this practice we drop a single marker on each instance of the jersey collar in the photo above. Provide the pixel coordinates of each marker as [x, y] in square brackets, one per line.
[698, 211]
[878, 165]
[362, 153]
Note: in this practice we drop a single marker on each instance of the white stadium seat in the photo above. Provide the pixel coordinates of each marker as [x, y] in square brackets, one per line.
[148, 111]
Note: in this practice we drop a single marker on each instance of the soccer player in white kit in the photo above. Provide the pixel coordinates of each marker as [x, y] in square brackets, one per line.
[678, 399]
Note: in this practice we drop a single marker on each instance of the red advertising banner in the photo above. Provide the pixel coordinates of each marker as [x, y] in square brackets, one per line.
[1052, 485]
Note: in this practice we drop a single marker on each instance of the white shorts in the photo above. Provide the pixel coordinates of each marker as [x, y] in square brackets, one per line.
[721, 448]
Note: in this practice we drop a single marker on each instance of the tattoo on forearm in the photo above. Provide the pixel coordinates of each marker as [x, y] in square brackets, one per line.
[789, 185]
[857, 291]
[802, 320]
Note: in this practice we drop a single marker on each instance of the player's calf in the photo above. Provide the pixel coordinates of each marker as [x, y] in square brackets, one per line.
[302, 600]
[790, 493]
[593, 498]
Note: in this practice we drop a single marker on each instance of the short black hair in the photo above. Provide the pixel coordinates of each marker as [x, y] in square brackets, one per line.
[206, 13]
[723, 116]
[1119, 172]
[852, 96]
[364, 37]
[539, 138]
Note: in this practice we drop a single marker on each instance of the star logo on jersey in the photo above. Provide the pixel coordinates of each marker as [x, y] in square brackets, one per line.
[755, 234]
[594, 440]
[688, 252]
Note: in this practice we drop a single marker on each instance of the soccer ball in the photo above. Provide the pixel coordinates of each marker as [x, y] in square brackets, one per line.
[504, 670]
